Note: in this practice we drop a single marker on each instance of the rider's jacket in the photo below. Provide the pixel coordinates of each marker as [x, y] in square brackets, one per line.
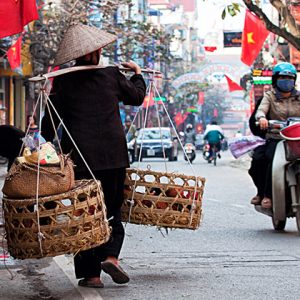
[213, 136]
[278, 108]
[189, 137]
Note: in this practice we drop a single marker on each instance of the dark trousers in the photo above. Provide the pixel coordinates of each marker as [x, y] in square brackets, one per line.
[88, 263]
[258, 169]
[218, 147]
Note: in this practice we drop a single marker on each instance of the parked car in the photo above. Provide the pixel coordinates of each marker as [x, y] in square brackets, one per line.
[199, 143]
[154, 141]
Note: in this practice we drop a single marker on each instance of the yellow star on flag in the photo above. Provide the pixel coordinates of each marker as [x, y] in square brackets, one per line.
[250, 39]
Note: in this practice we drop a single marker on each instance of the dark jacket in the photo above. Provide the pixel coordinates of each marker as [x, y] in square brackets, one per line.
[11, 142]
[88, 103]
[255, 129]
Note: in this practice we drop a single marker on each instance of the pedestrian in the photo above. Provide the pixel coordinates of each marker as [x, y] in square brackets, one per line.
[32, 127]
[88, 103]
[129, 129]
[280, 103]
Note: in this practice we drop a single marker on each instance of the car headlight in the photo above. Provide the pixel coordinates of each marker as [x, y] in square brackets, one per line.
[167, 145]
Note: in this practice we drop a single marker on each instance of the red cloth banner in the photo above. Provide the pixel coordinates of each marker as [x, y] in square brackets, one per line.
[15, 14]
[179, 118]
[253, 38]
[200, 98]
[14, 54]
[215, 113]
[148, 101]
[233, 86]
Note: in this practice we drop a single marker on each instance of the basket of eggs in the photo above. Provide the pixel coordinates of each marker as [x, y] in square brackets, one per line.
[162, 199]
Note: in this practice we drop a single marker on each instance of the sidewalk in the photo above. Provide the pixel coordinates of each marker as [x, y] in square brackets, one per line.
[45, 278]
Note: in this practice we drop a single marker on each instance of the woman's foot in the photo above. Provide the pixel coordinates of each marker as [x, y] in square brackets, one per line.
[256, 200]
[93, 282]
[112, 268]
[266, 203]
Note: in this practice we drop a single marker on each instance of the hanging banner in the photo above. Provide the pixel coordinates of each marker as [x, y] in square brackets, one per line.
[262, 76]
[200, 98]
[232, 39]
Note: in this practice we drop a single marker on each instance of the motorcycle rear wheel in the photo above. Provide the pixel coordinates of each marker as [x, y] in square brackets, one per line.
[278, 224]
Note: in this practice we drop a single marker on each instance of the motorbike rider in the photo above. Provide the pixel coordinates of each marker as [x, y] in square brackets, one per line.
[280, 103]
[189, 134]
[258, 166]
[214, 135]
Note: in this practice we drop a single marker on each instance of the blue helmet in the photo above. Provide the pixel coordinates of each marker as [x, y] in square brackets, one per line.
[285, 69]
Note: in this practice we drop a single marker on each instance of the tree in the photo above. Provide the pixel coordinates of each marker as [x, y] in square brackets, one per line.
[288, 27]
[46, 34]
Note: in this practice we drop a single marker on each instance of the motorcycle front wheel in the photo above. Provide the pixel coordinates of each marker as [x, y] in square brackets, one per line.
[278, 224]
[297, 214]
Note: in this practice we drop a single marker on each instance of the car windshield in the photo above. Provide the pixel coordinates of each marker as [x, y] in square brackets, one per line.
[154, 134]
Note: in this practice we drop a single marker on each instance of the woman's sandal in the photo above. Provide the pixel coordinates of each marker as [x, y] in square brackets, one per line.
[89, 283]
[266, 203]
[117, 274]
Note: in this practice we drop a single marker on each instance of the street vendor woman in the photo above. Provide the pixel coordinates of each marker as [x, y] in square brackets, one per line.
[88, 103]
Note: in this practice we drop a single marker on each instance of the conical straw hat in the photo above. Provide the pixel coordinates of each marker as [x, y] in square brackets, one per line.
[80, 40]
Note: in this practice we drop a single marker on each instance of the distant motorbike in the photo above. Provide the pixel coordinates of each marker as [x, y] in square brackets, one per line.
[210, 154]
[206, 151]
[131, 145]
[190, 152]
[285, 175]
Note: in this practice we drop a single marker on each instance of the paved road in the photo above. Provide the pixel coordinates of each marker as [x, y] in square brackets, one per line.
[235, 254]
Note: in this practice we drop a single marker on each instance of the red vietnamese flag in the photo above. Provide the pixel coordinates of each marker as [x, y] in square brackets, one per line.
[233, 86]
[148, 101]
[179, 118]
[15, 14]
[14, 54]
[253, 38]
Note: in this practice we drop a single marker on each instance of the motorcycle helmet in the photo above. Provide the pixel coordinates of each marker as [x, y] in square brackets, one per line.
[189, 127]
[283, 69]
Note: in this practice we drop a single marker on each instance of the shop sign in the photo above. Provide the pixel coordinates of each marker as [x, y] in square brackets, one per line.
[262, 76]
[232, 39]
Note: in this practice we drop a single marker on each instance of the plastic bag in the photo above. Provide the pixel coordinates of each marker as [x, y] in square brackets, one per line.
[244, 144]
[45, 156]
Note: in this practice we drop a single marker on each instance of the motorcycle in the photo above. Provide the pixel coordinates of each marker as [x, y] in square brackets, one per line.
[206, 151]
[210, 154]
[190, 152]
[285, 174]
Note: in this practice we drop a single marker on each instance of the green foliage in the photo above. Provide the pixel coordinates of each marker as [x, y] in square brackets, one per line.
[233, 9]
[138, 39]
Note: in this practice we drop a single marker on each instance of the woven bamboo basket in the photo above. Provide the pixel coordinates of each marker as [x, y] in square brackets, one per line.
[167, 200]
[69, 222]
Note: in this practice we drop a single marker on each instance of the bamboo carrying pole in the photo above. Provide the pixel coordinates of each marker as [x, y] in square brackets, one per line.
[85, 68]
